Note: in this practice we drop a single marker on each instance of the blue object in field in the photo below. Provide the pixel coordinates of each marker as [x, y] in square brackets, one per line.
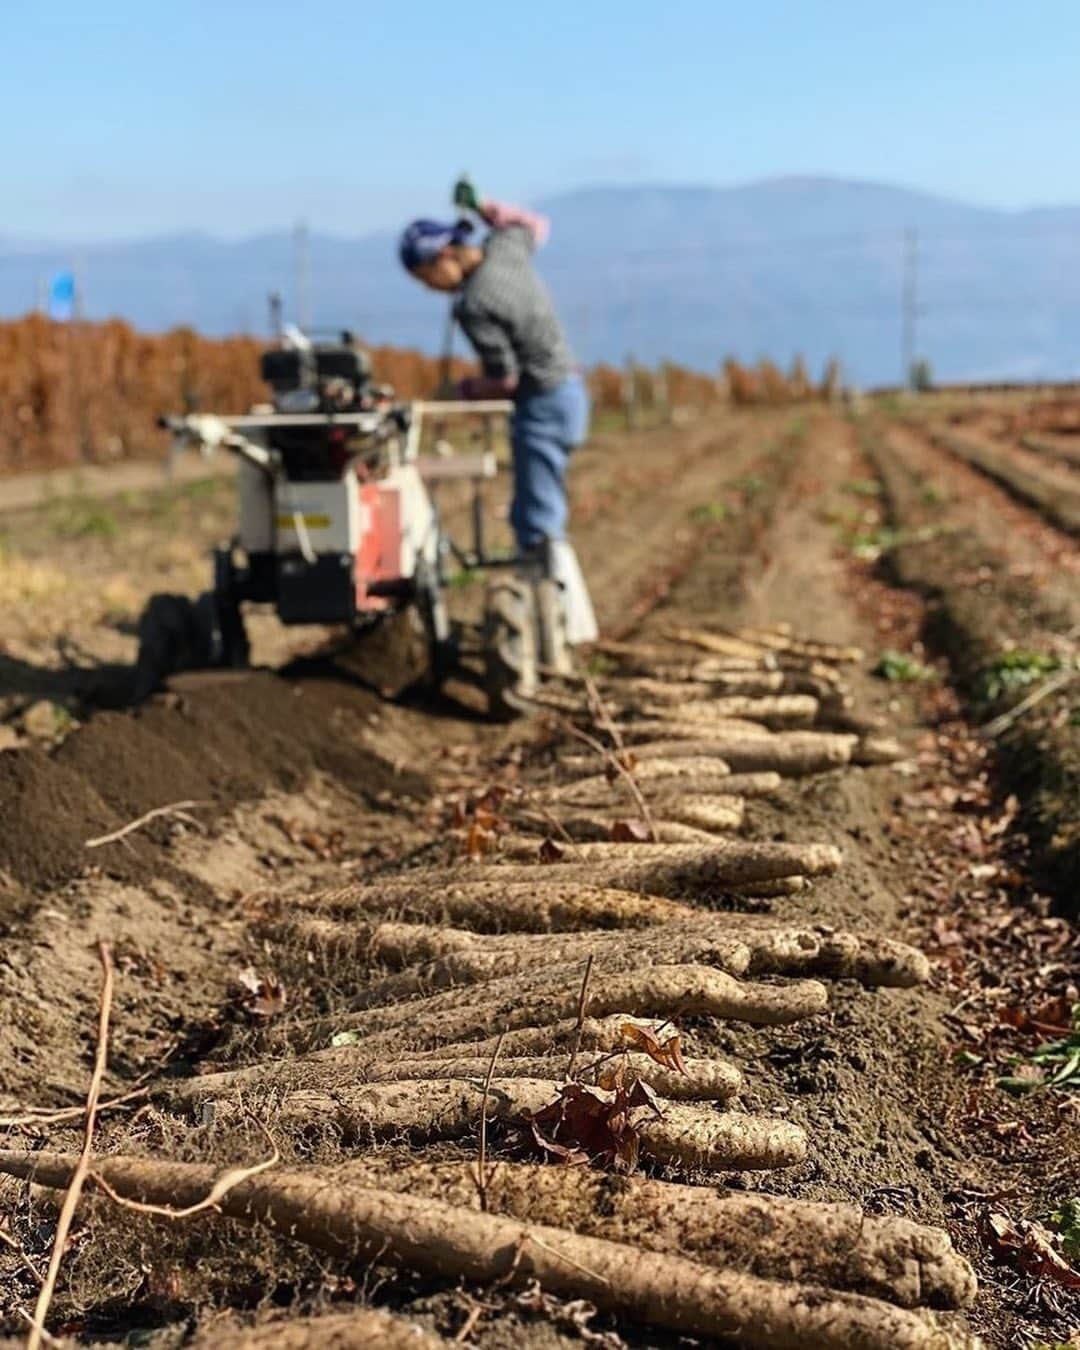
[62, 297]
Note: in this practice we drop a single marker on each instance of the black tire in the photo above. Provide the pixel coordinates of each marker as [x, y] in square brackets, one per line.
[509, 639]
[554, 650]
[171, 638]
[177, 633]
[442, 646]
[222, 627]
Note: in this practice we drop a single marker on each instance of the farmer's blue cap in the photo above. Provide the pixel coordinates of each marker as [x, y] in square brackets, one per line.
[424, 240]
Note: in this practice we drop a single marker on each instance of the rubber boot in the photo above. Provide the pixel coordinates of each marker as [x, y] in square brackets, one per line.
[563, 567]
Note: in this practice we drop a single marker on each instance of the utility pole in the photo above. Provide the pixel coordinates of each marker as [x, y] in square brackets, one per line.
[630, 391]
[909, 304]
[274, 303]
[302, 266]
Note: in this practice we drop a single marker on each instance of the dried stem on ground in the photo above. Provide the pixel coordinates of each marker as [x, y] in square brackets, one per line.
[178, 809]
[79, 1172]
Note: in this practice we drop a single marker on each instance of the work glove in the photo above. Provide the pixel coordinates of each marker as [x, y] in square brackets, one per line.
[466, 197]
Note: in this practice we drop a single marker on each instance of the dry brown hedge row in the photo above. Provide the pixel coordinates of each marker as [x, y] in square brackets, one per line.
[91, 393]
[766, 383]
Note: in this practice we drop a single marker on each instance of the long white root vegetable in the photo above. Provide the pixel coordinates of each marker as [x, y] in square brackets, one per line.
[338, 1331]
[792, 753]
[685, 1135]
[435, 1238]
[831, 1244]
[779, 710]
[498, 904]
[539, 999]
[704, 1080]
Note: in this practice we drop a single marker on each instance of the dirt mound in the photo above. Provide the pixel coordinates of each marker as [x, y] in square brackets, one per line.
[221, 739]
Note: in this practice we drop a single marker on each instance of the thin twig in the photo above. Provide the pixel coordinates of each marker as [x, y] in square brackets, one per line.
[1051, 686]
[583, 1003]
[49, 1340]
[620, 766]
[173, 809]
[482, 1178]
[33, 1116]
[78, 1177]
[225, 1183]
[529, 1236]
[549, 818]
[10, 1242]
[469, 1325]
[601, 713]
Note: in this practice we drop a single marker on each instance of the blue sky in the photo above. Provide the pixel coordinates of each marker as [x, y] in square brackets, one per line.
[124, 119]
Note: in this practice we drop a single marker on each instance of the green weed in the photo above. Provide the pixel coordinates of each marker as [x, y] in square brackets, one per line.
[862, 487]
[796, 430]
[77, 518]
[902, 669]
[1067, 1222]
[933, 494]
[1012, 671]
[870, 545]
[710, 513]
[749, 486]
[1055, 1064]
[201, 487]
[599, 663]
[463, 579]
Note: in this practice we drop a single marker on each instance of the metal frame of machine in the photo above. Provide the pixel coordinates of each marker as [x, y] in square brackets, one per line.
[338, 524]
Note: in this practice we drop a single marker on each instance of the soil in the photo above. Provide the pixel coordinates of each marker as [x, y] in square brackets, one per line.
[311, 779]
[991, 590]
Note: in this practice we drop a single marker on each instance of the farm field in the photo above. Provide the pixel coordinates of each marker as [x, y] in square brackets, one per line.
[731, 998]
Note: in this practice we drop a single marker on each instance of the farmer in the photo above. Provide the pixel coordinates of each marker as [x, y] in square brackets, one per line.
[507, 315]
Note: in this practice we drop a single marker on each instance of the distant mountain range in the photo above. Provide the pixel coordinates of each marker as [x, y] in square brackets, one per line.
[795, 265]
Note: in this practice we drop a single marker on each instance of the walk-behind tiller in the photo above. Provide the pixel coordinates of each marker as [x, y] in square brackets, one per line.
[339, 525]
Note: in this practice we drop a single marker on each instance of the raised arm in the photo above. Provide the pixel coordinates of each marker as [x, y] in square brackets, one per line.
[501, 216]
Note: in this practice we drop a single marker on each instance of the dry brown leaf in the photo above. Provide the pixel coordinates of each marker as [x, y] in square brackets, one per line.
[630, 832]
[667, 1053]
[1029, 1247]
[478, 841]
[551, 852]
[583, 1124]
[259, 996]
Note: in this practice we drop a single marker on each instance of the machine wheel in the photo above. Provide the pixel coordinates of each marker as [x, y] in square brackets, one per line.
[554, 649]
[219, 616]
[510, 654]
[177, 633]
[442, 646]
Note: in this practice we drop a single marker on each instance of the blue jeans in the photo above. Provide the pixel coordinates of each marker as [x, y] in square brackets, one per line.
[545, 428]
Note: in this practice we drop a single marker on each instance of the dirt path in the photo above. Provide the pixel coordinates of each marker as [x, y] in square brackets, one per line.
[314, 784]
